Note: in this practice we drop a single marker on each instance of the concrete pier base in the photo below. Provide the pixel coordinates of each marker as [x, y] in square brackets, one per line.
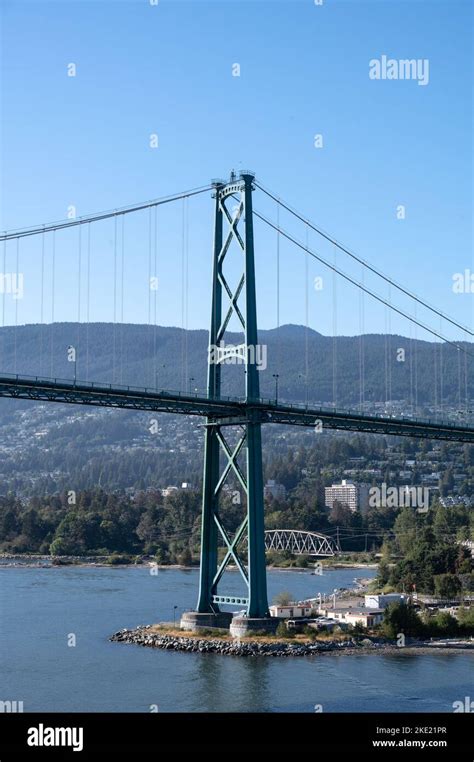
[242, 626]
[193, 621]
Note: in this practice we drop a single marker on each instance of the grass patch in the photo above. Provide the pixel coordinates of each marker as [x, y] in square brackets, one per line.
[259, 635]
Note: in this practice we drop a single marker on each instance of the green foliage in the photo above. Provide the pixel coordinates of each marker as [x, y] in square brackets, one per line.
[466, 618]
[99, 523]
[282, 631]
[431, 552]
[401, 618]
[445, 624]
[117, 559]
[283, 598]
[447, 585]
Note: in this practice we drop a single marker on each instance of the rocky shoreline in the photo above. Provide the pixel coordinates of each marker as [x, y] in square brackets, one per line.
[142, 636]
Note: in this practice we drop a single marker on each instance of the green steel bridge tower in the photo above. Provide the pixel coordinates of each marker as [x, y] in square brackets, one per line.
[241, 303]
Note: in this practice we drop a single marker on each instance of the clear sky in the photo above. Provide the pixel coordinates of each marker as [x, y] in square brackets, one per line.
[167, 69]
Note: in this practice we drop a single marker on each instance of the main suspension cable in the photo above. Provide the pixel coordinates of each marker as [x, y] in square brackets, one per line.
[363, 262]
[354, 282]
[23, 232]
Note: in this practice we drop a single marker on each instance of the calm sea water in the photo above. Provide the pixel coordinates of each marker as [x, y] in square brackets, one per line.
[39, 608]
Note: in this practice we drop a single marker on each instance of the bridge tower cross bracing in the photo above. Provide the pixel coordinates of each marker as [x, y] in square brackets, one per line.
[242, 304]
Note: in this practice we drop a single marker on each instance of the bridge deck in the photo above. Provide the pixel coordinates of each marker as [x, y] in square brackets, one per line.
[224, 410]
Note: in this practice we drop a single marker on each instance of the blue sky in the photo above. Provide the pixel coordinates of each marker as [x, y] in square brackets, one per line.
[304, 70]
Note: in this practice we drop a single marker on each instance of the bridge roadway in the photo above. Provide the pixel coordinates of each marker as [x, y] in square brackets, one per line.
[226, 410]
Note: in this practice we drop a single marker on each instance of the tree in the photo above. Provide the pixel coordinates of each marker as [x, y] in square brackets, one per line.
[283, 599]
[401, 618]
[441, 526]
[340, 514]
[445, 623]
[446, 484]
[383, 573]
[405, 529]
[148, 529]
[32, 528]
[59, 547]
[9, 524]
[466, 618]
[185, 558]
[447, 585]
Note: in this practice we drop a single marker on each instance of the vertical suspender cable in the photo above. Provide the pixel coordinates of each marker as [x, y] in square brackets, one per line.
[306, 309]
[16, 302]
[88, 297]
[389, 319]
[411, 369]
[79, 277]
[441, 369]
[466, 392]
[114, 337]
[150, 361]
[4, 272]
[186, 289]
[459, 380]
[334, 333]
[386, 359]
[183, 370]
[155, 296]
[42, 304]
[53, 277]
[278, 338]
[415, 369]
[3, 296]
[122, 275]
[361, 344]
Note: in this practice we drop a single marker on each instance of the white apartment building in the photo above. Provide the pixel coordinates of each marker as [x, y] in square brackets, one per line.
[355, 496]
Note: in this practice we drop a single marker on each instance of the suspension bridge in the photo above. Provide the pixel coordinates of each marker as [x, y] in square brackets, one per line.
[232, 424]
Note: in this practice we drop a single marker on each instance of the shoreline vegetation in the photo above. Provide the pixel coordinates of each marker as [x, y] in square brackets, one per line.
[16, 560]
[171, 638]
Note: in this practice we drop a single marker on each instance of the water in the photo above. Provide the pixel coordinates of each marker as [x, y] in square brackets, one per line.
[41, 607]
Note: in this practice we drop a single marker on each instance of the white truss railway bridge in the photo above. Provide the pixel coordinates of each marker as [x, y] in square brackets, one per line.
[300, 543]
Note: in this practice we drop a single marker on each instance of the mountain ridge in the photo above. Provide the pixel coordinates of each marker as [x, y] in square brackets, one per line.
[171, 357]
